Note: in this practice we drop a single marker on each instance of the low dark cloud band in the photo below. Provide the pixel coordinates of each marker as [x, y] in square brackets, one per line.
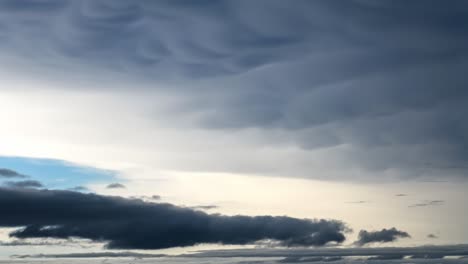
[135, 224]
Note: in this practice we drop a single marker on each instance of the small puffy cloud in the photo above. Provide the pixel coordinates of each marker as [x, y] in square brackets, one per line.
[382, 236]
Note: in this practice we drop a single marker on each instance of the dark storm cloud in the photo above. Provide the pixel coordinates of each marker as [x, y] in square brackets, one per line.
[135, 224]
[23, 184]
[387, 80]
[7, 173]
[115, 186]
[382, 236]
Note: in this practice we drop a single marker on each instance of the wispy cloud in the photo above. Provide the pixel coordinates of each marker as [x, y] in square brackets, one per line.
[204, 207]
[7, 173]
[93, 255]
[24, 184]
[79, 189]
[115, 186]
[427, 203]
[358, 202]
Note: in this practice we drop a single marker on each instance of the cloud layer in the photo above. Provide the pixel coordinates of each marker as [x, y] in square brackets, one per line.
[294, 255]
[383, 84]
[421, 251]
[135, 224]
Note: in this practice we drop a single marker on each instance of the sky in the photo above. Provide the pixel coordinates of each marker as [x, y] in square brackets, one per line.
[173, 126]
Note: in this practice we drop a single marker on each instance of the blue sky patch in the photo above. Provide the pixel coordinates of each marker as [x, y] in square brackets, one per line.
[57, 174]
